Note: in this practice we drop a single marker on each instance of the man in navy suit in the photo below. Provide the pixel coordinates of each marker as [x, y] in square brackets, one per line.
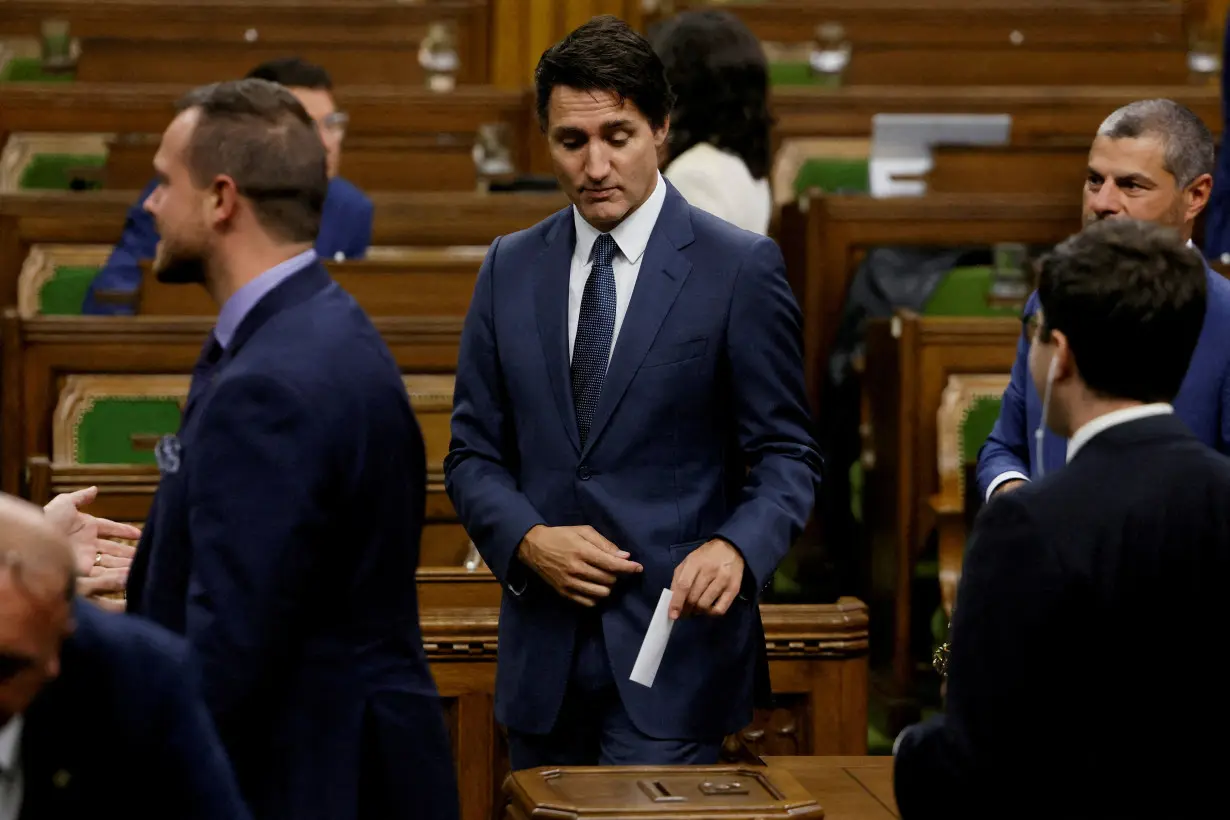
[1070, 681]
[283, 540]
[1152, 160]
[629, 418]
[95, 709]
[345, 225]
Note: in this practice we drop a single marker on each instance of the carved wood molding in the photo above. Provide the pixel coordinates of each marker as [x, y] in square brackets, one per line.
[792, 631]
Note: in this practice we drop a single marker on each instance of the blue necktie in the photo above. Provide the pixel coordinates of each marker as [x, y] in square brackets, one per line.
[202, 372]
[591, 350]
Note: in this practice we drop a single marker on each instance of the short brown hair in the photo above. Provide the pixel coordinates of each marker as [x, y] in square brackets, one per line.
[256, 132]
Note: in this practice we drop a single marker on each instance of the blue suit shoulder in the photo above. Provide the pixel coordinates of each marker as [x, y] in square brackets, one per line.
[125, 643]
[348, 194]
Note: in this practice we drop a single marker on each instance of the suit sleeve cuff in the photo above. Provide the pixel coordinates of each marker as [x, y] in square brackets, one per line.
[1011, 475]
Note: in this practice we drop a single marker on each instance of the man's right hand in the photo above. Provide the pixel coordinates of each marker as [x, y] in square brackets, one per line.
[1008, 486]
[577, 562]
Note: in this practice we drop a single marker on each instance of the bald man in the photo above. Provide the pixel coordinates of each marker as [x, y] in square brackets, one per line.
[96, 710]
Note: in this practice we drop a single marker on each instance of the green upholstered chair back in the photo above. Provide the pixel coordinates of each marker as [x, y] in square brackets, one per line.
[58, 162]
[965, 291]
[968, 411]
[834, 175]
[115, 419]
[54, 278]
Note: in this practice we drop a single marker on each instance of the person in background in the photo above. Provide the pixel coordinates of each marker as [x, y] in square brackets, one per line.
[1091, 615]
[652, 436]
[1151, 160]
[283, 539]
[96, 710]
[345, 225]
[1217, 217]
[717, 153]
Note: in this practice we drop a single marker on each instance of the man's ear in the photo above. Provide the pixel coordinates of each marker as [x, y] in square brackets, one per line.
[1065, 362]
[659, 134]
[1196, 196]
[222, 203]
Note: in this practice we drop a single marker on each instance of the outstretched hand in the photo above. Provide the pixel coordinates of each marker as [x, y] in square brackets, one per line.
[102, 564]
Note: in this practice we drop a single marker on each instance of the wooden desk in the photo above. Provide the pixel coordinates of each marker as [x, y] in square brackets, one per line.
[848, 788]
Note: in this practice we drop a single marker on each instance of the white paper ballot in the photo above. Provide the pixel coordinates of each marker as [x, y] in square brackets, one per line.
[650, 657]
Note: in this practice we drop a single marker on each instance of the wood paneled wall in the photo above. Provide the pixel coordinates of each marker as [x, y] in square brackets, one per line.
[523, 29]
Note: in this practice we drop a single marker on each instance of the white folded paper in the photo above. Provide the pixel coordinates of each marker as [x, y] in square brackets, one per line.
[650, 657]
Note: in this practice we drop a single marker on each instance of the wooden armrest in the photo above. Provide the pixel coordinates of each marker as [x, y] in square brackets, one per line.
[947, 503]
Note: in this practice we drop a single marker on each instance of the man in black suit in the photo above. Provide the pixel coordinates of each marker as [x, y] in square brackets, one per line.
[96, 710]
[283, 540]
[1089, 599]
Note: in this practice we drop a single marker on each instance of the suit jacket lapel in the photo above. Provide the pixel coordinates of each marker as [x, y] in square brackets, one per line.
[663, 272]
[551, 298]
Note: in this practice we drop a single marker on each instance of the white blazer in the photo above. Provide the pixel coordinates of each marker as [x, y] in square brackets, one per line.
[719, 182]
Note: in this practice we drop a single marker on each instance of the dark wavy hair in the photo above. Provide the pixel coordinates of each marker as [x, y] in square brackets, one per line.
[720, 77]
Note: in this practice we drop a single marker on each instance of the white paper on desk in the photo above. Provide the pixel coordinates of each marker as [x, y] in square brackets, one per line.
[650, 657]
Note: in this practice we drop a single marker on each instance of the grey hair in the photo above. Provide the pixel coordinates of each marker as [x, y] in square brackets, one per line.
[1186, 140]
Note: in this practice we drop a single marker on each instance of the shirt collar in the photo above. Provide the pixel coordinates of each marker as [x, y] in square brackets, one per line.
[10, 744]
[1103, 423]
[243, 300]
[631, 235]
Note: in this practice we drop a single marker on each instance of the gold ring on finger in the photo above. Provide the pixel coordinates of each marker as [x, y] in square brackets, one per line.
[97, 559]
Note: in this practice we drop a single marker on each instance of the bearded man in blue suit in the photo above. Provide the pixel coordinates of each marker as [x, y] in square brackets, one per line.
[1151, 160]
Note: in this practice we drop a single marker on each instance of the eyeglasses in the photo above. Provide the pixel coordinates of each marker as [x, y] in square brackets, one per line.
[334, 123]
[1029, 326]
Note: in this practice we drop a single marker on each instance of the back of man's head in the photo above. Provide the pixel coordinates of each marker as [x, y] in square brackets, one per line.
[255, 133]
[37, 578]
[293, 72]
[1130, 298]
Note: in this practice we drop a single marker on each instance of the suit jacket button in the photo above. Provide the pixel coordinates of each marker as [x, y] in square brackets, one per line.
[583, 473]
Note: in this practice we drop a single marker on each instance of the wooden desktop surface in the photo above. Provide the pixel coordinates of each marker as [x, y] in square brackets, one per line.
[848, 788]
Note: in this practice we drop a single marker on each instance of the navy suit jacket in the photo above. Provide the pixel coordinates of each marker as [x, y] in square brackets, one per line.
[345, 227]
[702, 430]
[1062, 694]
[124, 726]
[283, 541]
[1217, 214]
[1203, 401]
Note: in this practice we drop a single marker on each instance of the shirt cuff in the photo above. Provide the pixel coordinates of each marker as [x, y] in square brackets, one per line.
[1011, 475]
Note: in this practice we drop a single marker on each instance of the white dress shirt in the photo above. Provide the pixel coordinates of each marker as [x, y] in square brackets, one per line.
[11, 785]
[632, 237]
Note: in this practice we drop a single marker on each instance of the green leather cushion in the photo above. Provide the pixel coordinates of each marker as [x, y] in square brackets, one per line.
[105, 433]
[64, 293]
[964, 292]
[30, 70]
[53, 172]
[976, 425]
[834, 175]
[799, 74]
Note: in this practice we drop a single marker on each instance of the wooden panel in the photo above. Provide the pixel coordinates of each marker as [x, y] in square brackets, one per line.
[843, 227]
[962, 22]
[849, 788]
[198, 62]
[1011, 169]
[1039, 113]
[911, 358]
[413, 282]
[281, 25]
[1000, 65]
[416, 219]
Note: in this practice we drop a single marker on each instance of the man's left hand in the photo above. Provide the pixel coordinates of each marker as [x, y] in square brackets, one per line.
[707, 581]
[89, 535]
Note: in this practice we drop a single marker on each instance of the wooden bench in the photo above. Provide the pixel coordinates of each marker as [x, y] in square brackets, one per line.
[1009, 169]
[956, 42]
[397, 140]
[1040, 114]
[824, 238]
[196, 41]
[422, 220]
[909, 361]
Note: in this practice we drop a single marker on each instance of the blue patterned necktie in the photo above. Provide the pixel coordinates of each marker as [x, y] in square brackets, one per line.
[591, 350]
